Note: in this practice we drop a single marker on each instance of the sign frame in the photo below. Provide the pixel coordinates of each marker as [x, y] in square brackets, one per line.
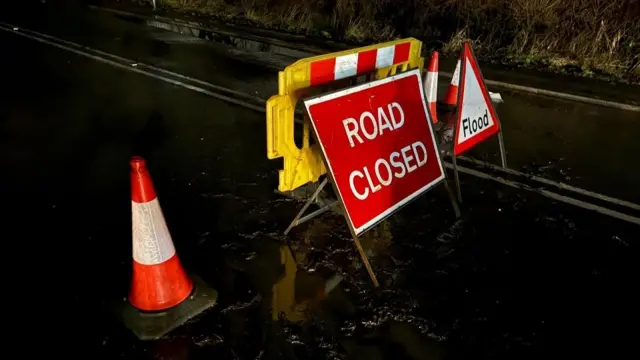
[329, 176]
[397, 207]
[458, 113]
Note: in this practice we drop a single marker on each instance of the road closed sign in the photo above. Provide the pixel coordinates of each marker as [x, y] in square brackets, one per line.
[477, 119]
[378, 144]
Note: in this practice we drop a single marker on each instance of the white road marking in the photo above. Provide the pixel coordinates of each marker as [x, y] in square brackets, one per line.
[67, 45]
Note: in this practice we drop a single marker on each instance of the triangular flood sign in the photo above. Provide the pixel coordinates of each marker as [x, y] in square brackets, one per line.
[477, 119]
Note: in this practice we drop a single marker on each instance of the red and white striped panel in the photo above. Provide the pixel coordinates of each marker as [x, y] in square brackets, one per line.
[340, 67]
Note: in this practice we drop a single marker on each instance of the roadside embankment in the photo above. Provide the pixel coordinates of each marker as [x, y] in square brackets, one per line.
[593, 38]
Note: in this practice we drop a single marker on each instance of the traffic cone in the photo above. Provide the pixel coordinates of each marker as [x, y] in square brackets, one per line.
[431, 86]
[451, 98]
[159, 281]
[162, 296]
[448, 107]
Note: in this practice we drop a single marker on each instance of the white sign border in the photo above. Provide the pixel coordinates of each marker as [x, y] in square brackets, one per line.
[358, 88]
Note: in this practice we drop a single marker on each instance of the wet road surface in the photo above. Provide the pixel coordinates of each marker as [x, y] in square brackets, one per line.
[517, 277]
[575, 143]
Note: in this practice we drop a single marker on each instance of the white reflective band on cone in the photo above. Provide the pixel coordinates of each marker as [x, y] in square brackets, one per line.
[152, 242]
[455, 80]
[431, 87]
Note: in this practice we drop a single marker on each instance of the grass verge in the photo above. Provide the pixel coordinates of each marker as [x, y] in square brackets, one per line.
[583, 37]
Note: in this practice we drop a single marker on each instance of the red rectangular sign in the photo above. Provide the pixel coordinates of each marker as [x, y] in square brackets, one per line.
[379, 145]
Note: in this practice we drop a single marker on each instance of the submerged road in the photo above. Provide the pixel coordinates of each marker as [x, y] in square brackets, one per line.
[518, 276]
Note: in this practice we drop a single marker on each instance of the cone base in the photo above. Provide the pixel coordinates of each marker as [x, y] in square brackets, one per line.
[159, 287]
[154, 325]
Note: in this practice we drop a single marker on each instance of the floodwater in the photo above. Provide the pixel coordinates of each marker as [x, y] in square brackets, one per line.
[518, 276]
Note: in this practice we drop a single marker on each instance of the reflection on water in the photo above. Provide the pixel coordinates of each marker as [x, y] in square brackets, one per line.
[311, 291]
[284, 304]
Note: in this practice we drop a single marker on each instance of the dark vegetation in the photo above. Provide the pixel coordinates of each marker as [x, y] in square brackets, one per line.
[583, 36]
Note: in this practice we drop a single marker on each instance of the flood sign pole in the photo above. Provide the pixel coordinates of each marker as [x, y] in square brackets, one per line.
[503, 153]
[456, 176]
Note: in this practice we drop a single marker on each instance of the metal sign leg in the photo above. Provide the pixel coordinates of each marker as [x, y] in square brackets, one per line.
[503, 153]
[318, 212]
[312, 199]
[456, 177]
[365, 260]
[452, 197]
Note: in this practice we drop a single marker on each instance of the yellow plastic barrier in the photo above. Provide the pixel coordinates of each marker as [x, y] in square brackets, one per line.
[304, 165]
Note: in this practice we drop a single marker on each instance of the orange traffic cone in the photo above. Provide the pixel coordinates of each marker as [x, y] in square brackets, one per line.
[451, 98]
[158, 282]
[431, 86]
[162, 296]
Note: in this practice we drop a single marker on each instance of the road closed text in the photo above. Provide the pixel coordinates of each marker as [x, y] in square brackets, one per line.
[381, 172]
